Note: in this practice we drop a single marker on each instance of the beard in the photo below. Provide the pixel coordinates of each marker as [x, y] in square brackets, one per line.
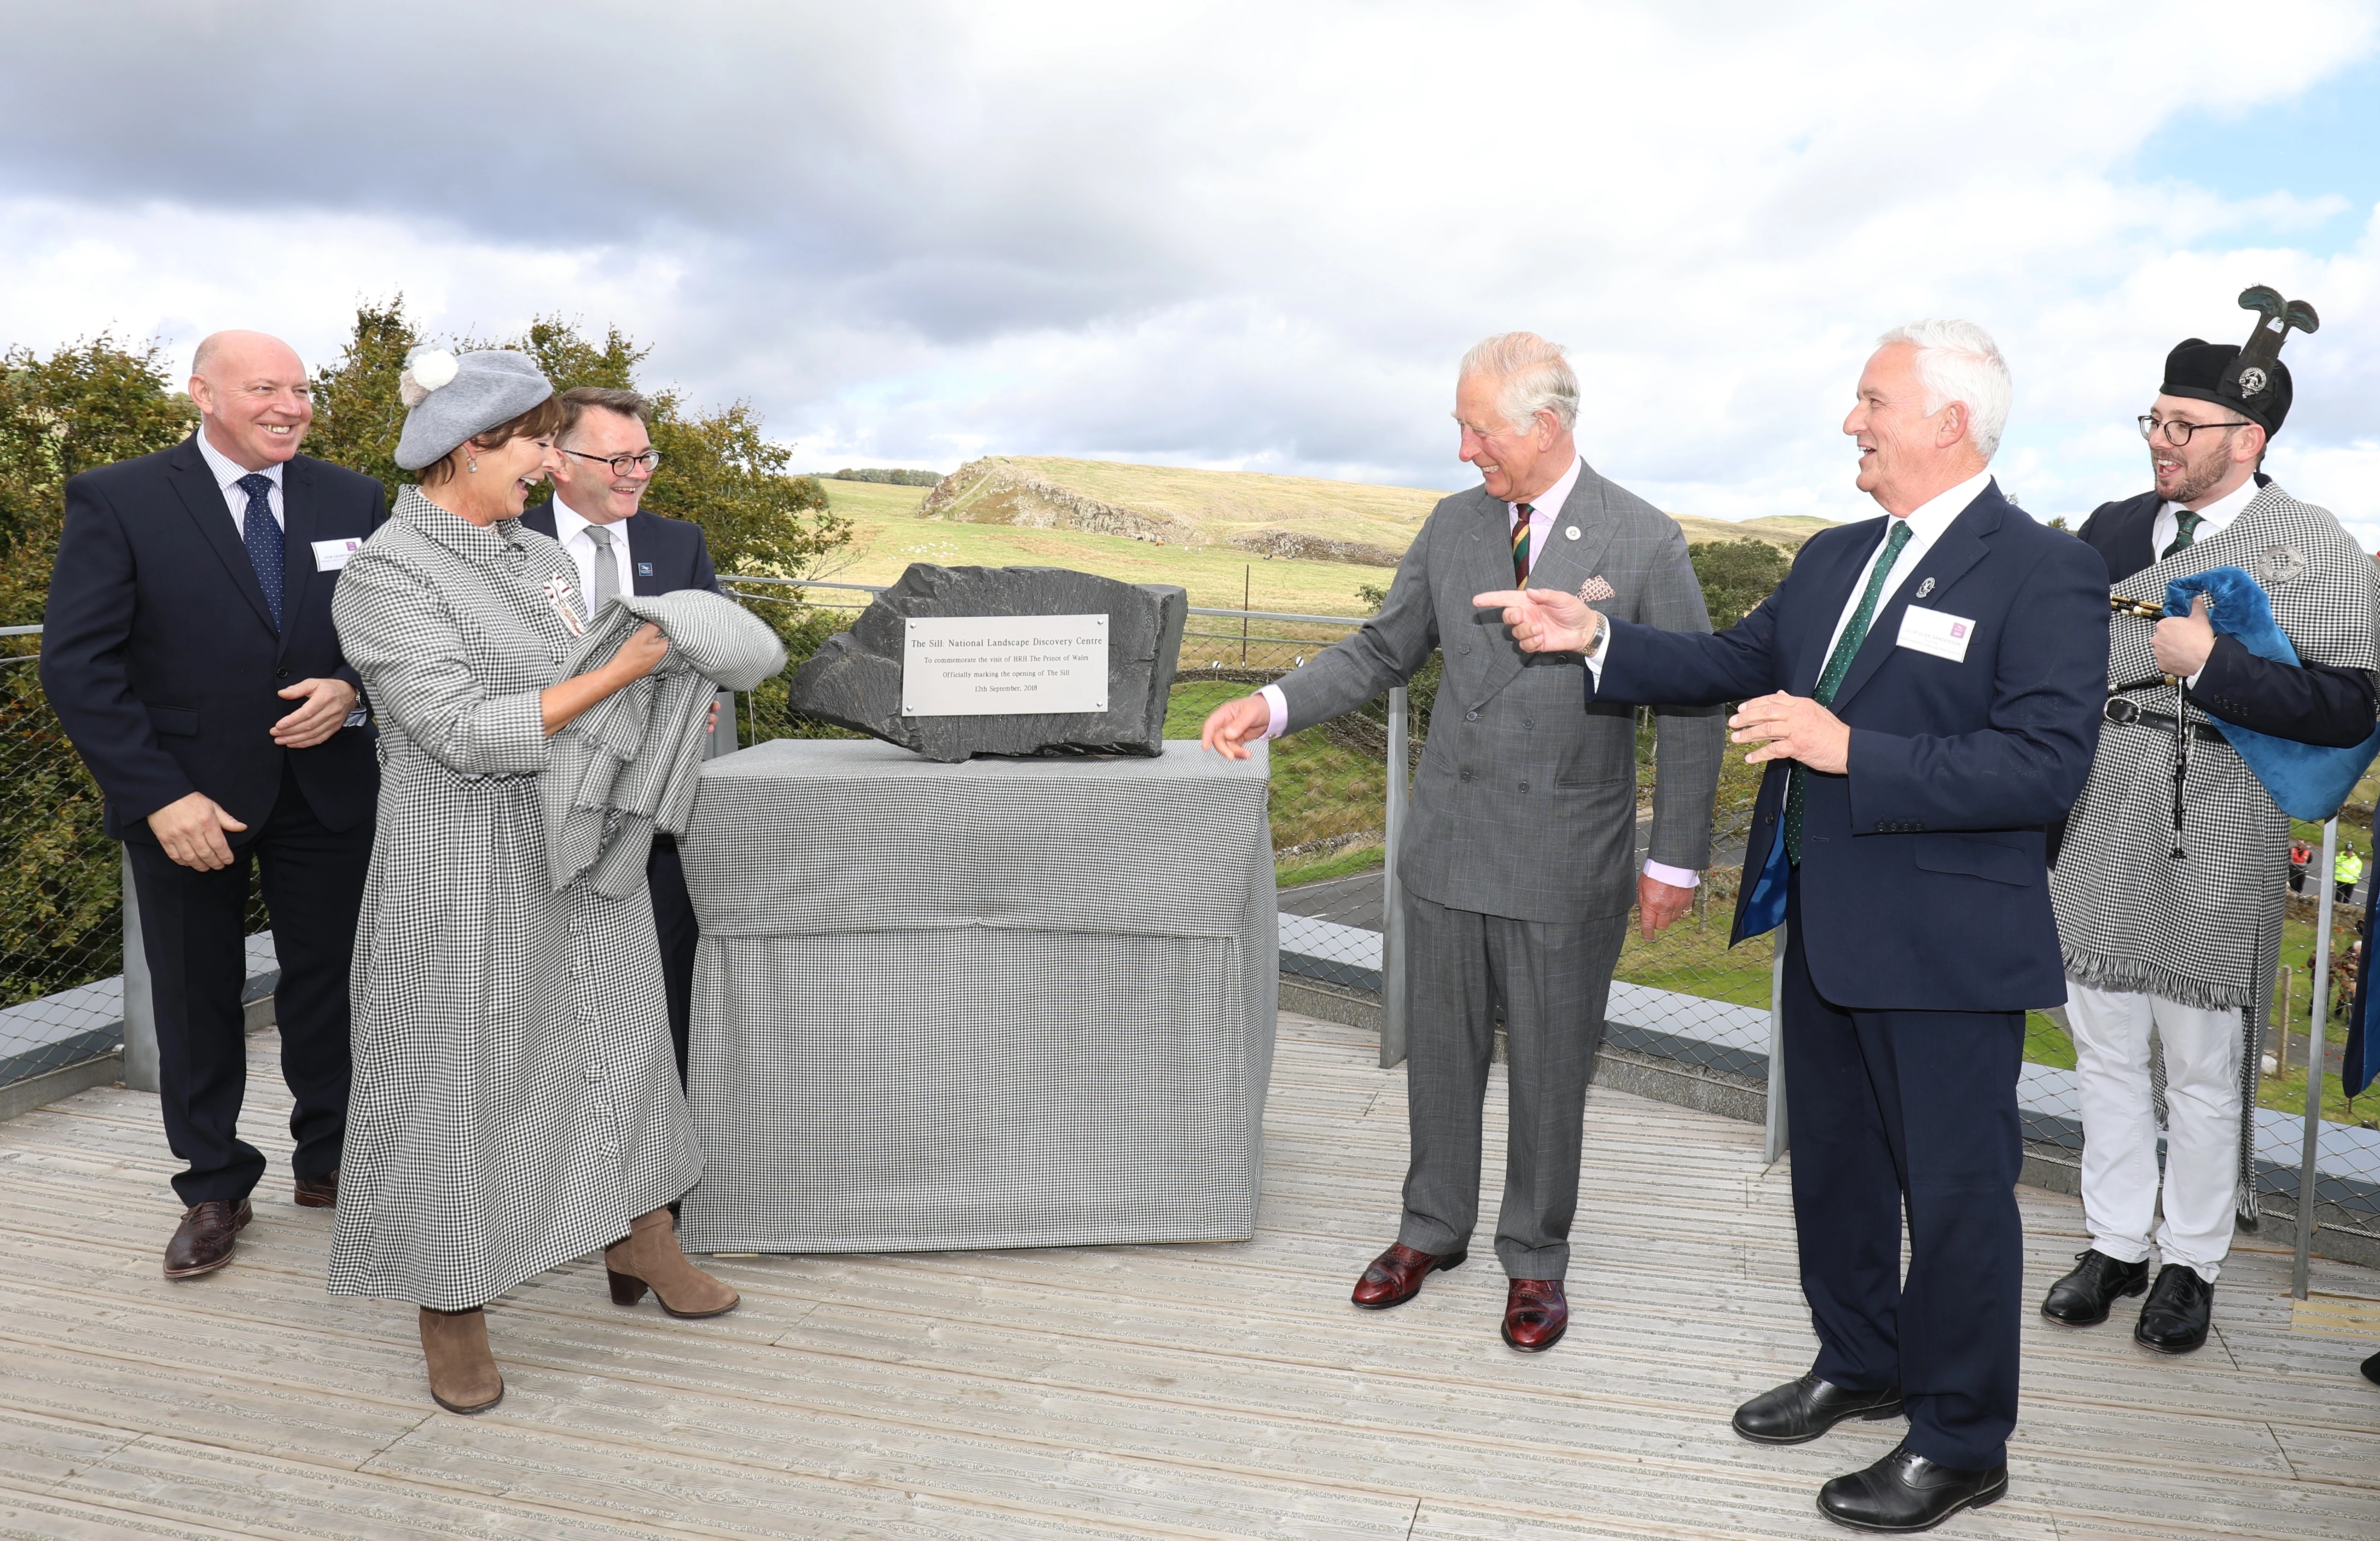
[2198, 481]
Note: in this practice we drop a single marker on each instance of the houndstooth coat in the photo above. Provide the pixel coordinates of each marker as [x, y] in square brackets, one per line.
[516, 1100]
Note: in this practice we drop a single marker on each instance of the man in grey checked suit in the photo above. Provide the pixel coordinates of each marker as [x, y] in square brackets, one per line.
[1518, 769]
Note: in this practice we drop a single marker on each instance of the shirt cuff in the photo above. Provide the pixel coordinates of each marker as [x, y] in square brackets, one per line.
[2191, 683]
[1594, 655]
[1676, 877]
[1280, 705]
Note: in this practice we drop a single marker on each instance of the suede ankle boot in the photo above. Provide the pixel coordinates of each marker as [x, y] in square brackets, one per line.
[463, 1376]
[648, 1255]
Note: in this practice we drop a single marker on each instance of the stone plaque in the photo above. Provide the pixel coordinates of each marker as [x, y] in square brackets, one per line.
[857, 679]
[988, 666]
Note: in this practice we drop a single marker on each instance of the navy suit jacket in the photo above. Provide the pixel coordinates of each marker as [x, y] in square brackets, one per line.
[664, 554]
[2311, 703]
[1924, 880]
[160, 656]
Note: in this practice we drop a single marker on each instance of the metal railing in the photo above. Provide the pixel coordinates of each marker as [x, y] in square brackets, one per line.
[1683, 1001]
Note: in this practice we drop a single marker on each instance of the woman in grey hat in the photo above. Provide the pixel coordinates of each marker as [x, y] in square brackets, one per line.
[515, 1101]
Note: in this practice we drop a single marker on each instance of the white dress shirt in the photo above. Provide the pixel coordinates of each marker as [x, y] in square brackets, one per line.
[227, 473]
[2211, 518]
[570, 529]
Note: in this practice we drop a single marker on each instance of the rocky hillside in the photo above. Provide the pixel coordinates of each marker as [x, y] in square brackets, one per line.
[1270, 516]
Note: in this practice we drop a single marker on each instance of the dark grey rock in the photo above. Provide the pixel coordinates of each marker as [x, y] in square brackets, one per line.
[855, 680]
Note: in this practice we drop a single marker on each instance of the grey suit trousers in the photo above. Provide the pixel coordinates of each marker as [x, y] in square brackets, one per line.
[1552, 982]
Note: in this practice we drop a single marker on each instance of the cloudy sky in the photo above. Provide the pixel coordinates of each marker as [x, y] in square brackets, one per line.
[1244, 236]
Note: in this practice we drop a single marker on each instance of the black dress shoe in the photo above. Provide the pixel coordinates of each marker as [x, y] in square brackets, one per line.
[2084, 1297]
[2180, 1310]
[1801, 1410]
[1905, 1491]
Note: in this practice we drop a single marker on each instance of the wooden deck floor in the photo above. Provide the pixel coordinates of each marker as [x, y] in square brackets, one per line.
[1222, 1390]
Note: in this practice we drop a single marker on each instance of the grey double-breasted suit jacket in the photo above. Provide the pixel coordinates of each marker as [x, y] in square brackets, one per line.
[1524, 804]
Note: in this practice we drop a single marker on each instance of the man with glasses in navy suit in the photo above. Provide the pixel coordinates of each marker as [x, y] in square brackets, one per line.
[608, 460]
[189, 651]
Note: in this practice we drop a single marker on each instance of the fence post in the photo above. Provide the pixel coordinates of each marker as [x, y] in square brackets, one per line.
[1774, 1142]
[2319, 988]
[1392, 909]
[139, 1010]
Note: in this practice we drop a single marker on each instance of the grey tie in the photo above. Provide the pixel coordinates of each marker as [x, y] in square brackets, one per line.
[607, 570]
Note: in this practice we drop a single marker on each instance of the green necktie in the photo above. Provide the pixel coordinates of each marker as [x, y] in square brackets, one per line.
[2188, 522]
[1839, 663]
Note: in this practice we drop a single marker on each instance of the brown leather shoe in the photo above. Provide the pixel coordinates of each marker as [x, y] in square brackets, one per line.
[648, 1256]
[1395, 1276]
[319, 1193]
[206, 1238]
[463, 1376]
[1535, 1315]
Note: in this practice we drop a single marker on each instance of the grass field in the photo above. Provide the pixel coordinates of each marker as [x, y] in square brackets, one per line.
[888, 536]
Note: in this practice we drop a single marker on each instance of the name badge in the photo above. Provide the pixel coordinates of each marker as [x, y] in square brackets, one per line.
[1936, 631]
[332, 555]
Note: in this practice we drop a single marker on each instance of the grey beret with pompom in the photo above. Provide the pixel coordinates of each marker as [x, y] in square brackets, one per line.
[454, 395]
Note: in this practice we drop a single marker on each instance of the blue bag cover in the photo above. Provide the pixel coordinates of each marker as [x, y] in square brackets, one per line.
[2308, 781]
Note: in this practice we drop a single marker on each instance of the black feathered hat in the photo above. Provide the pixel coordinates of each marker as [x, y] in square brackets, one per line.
[2250, 380]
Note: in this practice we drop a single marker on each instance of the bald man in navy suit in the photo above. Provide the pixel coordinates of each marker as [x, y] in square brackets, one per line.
[608, 460]
[188, 651]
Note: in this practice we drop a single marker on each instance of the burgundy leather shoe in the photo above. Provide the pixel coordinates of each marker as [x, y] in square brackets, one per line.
[1535, 1315]
[205, 1239]
[1395, 1276]
[319, 1193]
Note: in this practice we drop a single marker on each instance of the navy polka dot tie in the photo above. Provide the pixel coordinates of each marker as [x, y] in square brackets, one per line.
[263, 533]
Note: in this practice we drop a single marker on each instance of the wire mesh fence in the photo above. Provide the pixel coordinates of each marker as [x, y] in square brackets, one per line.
[61, 913]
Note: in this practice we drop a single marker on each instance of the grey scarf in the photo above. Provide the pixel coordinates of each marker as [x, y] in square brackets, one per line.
[627, 765]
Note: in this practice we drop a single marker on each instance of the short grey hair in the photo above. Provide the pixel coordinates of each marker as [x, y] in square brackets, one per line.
[1957, 360]
[1536, 376]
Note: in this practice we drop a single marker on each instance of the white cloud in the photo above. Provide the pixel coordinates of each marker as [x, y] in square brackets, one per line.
[1224, 235]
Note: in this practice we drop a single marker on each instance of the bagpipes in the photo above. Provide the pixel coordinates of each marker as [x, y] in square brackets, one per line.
[2307, 782]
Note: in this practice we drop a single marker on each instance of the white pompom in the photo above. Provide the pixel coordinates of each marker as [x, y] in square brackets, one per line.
[432, 368]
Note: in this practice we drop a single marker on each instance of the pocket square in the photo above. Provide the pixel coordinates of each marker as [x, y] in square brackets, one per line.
[1596, 589]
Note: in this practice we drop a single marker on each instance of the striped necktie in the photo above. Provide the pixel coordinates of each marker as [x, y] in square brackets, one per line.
[2186, 521]
[1838, 664]
[1521, 517]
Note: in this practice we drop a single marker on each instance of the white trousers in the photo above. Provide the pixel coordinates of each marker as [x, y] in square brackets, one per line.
[2120, 1136]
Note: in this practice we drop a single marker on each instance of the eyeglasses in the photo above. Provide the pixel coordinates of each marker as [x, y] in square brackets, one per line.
[622, 465]
[2178, 432]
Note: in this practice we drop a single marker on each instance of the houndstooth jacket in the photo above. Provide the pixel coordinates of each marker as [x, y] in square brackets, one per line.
[2205, 931]
[515, 1101]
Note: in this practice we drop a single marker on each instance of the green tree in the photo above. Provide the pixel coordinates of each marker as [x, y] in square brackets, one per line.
[86, 405]
[1736, 575]
[358, 414]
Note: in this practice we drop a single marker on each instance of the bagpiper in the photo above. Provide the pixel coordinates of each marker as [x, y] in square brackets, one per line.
[2240, 616]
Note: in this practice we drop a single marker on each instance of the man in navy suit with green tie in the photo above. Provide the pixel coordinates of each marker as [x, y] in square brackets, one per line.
[608, 460]
[1924, 689]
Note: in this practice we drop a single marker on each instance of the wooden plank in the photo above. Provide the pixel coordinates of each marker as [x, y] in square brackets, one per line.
[1210, 1390]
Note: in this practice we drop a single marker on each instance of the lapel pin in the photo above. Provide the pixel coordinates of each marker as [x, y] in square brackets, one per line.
[1924, 588]
[1570, 531]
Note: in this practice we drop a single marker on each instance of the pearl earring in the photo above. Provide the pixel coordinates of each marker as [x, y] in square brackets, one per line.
[472, 464]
